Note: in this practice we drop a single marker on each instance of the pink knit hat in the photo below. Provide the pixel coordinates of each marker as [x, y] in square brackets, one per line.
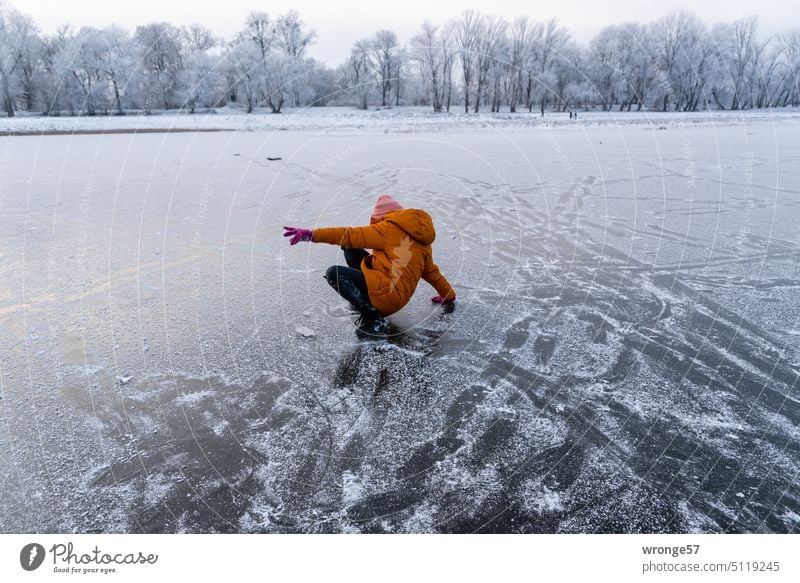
[385, 204]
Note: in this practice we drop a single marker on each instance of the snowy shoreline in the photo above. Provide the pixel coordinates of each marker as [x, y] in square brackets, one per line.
[401, 120]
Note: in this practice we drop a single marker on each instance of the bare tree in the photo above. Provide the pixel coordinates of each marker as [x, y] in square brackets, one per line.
[672, 38]
[531, 63]
[398, 73]
[382, 60]
[633, 59]
[358, 73]
[199, 38]
[465, 33]
[291, 36]
[519, 52]
[787, 91]
[426, 52]
[567, 71]
[737, 53]
[490, 34]
[448, 60]
[763, 75]
[696, 64]
[258, 29]
[604, 71]
[552, 39]
[745, 54]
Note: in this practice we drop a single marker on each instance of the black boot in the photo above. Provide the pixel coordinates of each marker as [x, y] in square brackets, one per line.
[370, 322]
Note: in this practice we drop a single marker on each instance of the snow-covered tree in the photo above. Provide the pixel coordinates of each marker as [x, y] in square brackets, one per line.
[695, 65]
[739, 52]
[634, 59]
[426, 52]
[291, 36]
[357, 77]
[787, 91]
[518, 51]
[319, 85]
[246, 73]
[280, 69]
[259, 29]
[603, 70]
[382, 58]
[673, 38]
[17, 39]
[466, 31]
[247, 60]
[490, 39]
[29, 49]
[566, 71]
[546, 50]
[201, 78]
[266, 62]
[673, 63]
[161, 48]
[80, 64]
[292, 39]
[118, 56]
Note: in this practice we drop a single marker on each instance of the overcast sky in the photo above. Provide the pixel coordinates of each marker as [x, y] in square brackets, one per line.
[339, 24]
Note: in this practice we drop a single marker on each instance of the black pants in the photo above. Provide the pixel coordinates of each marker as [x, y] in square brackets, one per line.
[349, 281]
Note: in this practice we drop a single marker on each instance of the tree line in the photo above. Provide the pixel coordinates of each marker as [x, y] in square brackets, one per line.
[474, 61]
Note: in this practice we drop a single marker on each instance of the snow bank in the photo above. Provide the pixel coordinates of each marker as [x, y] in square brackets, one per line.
[399, 120]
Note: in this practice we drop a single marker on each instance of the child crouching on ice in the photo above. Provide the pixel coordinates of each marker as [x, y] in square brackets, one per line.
[380, 283]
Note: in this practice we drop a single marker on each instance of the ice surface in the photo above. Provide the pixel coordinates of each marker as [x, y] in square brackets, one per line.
[623, 355]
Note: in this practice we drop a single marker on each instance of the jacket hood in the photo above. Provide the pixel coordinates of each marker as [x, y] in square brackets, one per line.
[416, 222]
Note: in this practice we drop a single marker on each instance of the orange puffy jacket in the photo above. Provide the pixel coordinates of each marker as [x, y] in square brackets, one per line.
[401, 255]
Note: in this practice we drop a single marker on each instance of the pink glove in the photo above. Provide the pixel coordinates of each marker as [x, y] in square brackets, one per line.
[297, 234]
[441, 300]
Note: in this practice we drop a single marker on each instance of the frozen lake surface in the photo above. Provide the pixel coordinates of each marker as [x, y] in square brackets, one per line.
[623, 357]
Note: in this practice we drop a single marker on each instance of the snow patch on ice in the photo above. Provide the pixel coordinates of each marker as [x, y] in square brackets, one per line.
[156, 488]
[540, 498]
[305, 332]
[193, 398]
[352, 488]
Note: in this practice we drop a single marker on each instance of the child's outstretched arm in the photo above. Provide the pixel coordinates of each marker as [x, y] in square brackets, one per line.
[433, 276]
[369, 237]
